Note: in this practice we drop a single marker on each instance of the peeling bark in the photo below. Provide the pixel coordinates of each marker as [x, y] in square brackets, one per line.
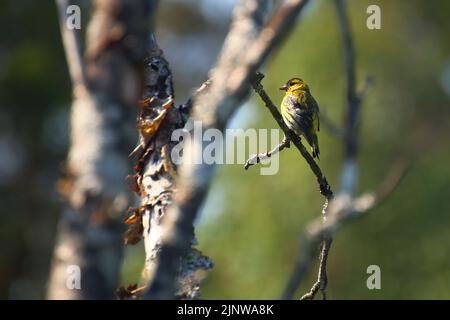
[155, 174]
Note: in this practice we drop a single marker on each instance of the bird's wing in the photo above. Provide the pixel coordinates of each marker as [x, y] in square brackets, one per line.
[301, 114]
[316, 112]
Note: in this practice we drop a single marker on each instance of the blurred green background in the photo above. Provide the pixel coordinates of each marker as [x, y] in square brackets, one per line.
[251, 224]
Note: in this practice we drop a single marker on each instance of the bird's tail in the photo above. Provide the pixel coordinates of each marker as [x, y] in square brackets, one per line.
[313, 141]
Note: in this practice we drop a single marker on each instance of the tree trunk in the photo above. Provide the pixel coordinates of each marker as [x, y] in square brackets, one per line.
[95, 195]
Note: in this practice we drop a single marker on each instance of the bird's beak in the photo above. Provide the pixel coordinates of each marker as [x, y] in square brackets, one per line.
[284, 88]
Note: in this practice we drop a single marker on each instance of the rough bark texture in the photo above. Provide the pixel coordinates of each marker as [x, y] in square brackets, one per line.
[155, 173]
[95, 196]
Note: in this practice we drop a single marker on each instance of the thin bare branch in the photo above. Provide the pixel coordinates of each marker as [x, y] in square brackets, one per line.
[257, 158]
[375, 198]
[353, 100]
[322, 278]
[341, 210]
[72, 50]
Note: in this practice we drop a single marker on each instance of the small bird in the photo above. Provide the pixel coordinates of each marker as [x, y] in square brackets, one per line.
[301, 113]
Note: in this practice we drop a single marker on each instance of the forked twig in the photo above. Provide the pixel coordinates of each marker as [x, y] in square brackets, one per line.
[259, 157]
